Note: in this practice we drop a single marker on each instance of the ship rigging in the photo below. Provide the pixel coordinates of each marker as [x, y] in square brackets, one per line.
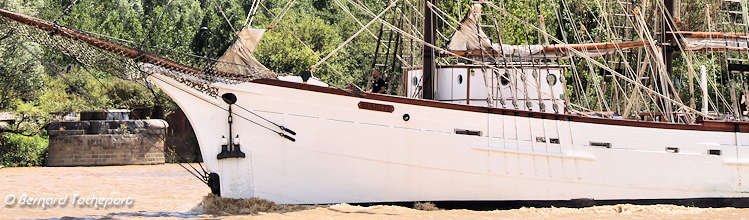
[545, 111]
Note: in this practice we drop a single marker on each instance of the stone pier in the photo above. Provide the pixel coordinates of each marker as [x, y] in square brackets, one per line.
[106, 142]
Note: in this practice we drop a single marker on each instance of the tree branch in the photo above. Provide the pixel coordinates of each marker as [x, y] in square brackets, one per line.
[2, 131]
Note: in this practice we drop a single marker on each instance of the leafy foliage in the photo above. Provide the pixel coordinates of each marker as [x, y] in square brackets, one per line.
[20, 75]
[19, 150]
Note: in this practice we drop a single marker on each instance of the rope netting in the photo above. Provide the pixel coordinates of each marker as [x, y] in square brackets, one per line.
[119, 58]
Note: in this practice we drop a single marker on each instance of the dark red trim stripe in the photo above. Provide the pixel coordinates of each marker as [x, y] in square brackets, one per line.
[376, 107]
[721, 126]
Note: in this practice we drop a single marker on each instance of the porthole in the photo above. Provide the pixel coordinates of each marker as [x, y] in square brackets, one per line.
[460, 79]
[551, 79]
[414, 81]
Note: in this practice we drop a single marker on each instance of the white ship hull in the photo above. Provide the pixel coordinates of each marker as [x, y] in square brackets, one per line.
[359, 148]
[347, 154]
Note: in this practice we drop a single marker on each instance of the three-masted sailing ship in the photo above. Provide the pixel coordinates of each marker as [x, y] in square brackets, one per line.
[476, 119]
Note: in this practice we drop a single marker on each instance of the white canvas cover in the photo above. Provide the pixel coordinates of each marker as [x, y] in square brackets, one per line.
[470, 37]
[240, 53]
[701, 44]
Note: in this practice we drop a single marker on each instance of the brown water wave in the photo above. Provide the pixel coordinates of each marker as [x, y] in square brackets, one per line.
[168, 192]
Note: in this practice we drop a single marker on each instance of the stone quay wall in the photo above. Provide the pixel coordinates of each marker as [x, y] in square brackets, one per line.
[106, 142]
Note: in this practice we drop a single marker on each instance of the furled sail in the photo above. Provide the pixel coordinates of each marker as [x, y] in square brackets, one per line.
[117, 57]
[703, 44]
[554, 51]
[470, 40]
[469, 34]
[551, 51]
[238, 58]
[713, 41]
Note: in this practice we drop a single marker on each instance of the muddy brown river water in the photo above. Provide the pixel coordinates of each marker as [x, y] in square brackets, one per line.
[169, 192]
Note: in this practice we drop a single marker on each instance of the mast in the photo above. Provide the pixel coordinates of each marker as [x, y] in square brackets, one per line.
[667, 37]
[668, 54]
[428, 54]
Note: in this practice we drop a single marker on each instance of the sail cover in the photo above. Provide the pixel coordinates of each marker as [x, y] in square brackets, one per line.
[470, 40]
[238, 58]
[549, 51]
[711, 44]
[711, 41]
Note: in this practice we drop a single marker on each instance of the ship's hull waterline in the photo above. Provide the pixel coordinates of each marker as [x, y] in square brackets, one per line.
[348, 149]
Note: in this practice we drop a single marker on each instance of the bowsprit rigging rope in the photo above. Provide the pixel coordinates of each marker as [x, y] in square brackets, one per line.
[269, 121]
[348, 81]
[153, 25]
[65, 11]
[135, 64]
[218, 6]
[240, 116]
[390, 5]
[120, 59]
[202, 176]
[280, 16]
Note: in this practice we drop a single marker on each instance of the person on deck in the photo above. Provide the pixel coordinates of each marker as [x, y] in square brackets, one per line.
[378, 85]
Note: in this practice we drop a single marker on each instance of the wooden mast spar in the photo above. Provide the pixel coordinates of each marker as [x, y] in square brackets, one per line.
[428, 54]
